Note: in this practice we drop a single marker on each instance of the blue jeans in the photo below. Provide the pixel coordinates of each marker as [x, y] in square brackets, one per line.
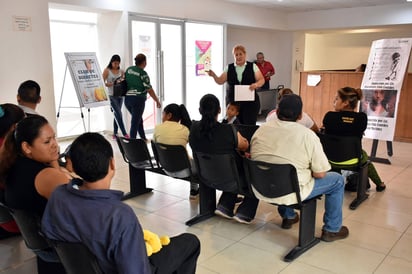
[116, 105]
[332, 185]
[135, 105]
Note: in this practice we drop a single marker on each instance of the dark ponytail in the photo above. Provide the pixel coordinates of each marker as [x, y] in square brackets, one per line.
[179, 114]
[209, 109]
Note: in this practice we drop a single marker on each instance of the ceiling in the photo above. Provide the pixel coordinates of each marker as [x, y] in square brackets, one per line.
[290, 6]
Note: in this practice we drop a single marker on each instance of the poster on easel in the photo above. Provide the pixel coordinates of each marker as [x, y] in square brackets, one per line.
[381, 85]
[87, 79]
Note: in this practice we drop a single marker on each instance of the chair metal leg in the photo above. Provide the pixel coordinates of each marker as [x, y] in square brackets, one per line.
[137, 178]
[207, 204]
[361, 194]
[307, 226]
[44, 267]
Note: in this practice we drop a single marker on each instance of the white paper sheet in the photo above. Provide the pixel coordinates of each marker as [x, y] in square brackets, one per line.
[243, 93]
[313, 80]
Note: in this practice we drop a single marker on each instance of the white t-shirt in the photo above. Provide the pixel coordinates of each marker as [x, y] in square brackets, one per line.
[282, 142]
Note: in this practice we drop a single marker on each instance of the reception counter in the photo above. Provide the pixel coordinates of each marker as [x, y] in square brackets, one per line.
[317, 100]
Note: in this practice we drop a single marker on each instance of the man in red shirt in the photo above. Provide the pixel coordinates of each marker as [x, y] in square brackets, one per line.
[266, 68]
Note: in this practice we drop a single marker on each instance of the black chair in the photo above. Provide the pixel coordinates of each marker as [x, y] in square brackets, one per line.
[5, 215]
[276, 180]
[76, 258]
[29, 225]
[246, 131]
[137, 155]
[174, 159]
[215, 171]
[339, 149]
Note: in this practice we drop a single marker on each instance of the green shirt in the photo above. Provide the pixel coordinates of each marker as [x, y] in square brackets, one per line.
[138, 81]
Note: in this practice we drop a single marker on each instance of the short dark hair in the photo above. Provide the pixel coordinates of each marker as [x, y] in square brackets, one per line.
[29, 91]
[91, 154]
[235, 104]
[139, 59]
[290, 107]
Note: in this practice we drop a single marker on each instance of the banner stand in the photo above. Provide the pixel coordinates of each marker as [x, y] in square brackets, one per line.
[88, 83]
[79, 107]
[373, 157]
[381, 87]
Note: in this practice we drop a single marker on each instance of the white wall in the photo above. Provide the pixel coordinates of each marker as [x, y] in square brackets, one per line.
[26, 55]
[351, 17]
[335, 51]
[274, 44]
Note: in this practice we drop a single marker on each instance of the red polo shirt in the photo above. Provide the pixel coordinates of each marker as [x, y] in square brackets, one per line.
[265, 68]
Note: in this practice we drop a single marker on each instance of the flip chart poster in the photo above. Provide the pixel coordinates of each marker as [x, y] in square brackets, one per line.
[381, 85]
[87, 79]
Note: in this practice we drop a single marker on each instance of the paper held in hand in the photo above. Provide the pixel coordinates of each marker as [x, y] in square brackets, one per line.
[243, 93]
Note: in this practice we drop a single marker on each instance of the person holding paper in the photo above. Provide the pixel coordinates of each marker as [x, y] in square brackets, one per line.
[242, 76]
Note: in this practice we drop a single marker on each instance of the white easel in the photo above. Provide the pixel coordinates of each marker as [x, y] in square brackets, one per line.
[79, 107]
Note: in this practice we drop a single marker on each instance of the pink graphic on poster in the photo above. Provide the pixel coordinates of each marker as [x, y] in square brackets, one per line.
[203, 57]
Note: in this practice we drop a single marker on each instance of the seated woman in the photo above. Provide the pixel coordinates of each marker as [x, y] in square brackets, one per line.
[10, 115]
[210, 136]
[344, 121]
[28, 165]
[306, 120]
[175, 131]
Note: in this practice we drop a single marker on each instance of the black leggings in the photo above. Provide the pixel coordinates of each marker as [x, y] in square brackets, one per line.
[178, 257]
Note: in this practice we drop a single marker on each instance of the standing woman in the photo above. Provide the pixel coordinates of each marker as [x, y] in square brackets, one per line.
[138, 85]
[110, 74]
[241, 72]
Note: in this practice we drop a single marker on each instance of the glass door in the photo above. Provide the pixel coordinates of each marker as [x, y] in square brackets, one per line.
[161, 41]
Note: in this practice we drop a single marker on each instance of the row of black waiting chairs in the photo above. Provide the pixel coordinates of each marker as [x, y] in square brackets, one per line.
[220, 172]
[271, 180]
[214, 172]
[166, 159]
[276, 180]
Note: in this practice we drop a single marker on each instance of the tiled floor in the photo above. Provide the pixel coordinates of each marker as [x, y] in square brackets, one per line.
[380, 239]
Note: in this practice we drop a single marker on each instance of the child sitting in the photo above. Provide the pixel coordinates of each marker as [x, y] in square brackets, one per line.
[232, 110]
